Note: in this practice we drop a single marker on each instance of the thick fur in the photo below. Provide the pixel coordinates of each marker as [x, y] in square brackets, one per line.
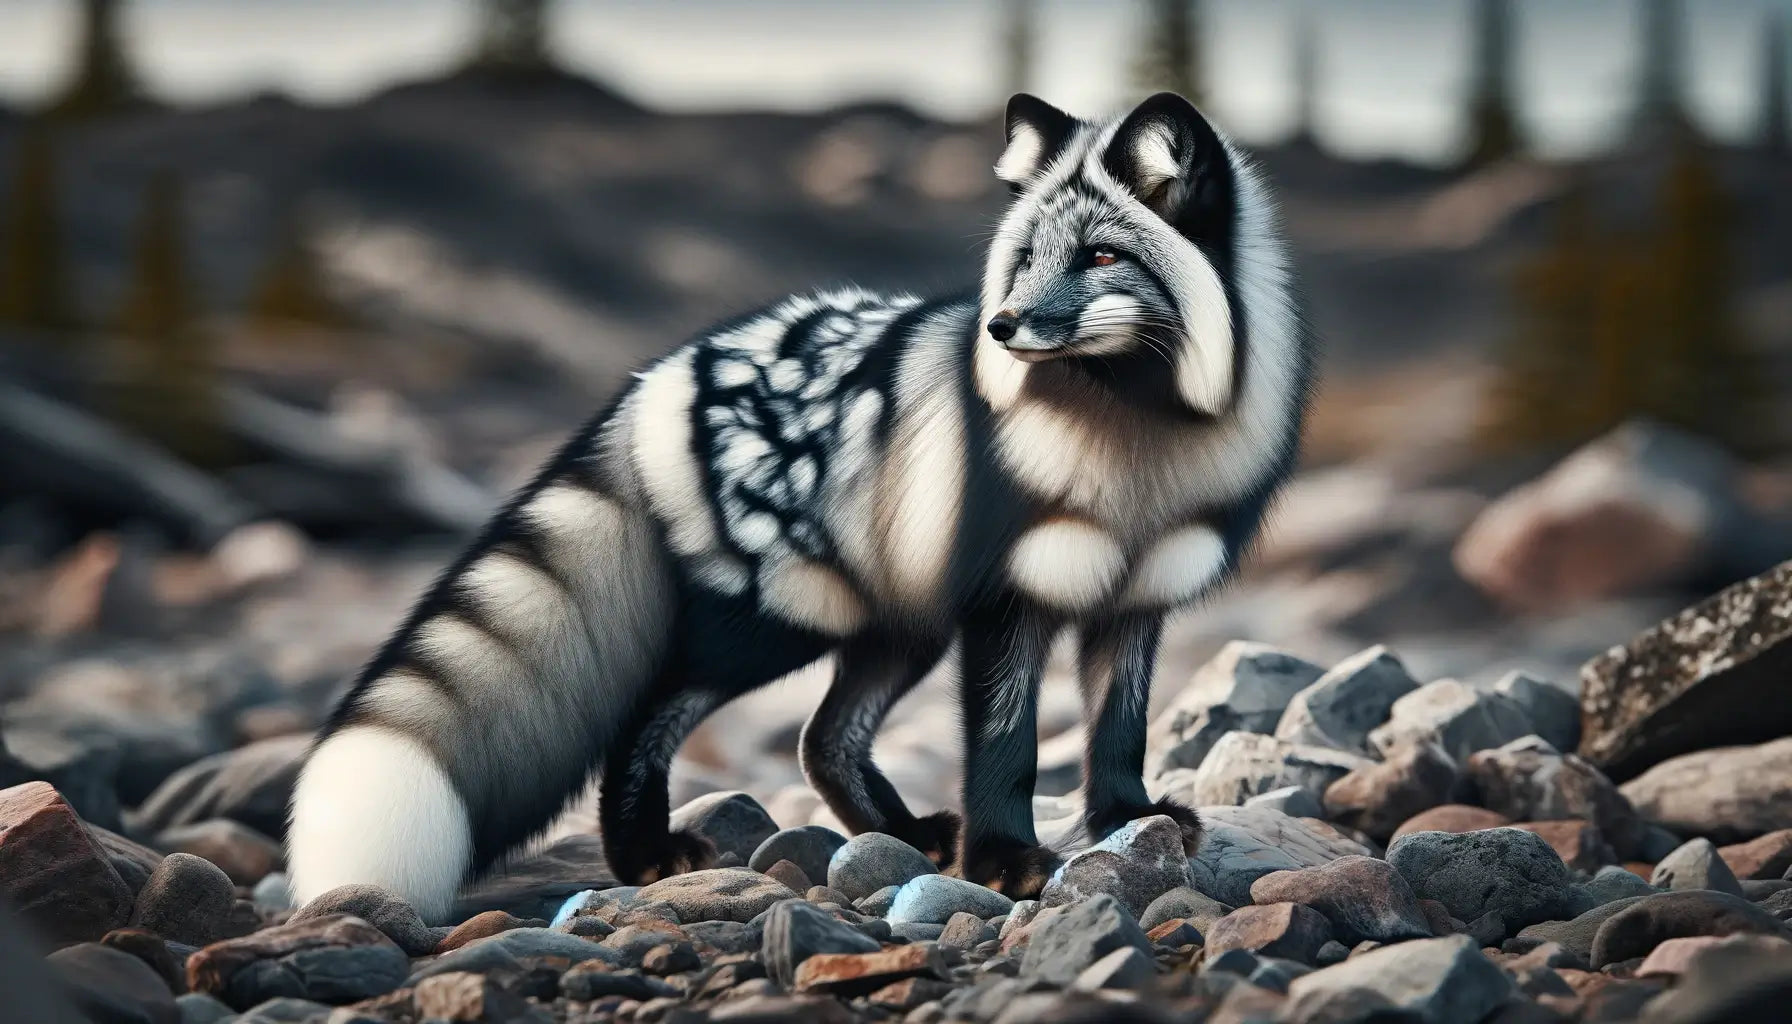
[1091, 443]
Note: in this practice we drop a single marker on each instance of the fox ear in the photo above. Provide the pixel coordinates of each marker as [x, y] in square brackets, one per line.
[1036, 131]
[1160, 150]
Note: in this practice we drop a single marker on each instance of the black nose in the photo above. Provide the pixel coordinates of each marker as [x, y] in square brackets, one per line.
[1003, 326]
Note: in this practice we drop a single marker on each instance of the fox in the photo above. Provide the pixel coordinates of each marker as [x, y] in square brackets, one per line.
[1088, 441]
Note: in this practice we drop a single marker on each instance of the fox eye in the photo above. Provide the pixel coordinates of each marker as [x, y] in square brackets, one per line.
[1104, 257]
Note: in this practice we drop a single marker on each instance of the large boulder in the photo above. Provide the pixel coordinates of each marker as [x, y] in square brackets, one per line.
[1506, 872]
[1529, 780]
[1139, 862]
[1728, 794]
[1065, 944]
[1245, 688]
[1712, 676]
[1342, 706]
[1247, 764]
[1364, 899]
[332, 959]
[53, 872]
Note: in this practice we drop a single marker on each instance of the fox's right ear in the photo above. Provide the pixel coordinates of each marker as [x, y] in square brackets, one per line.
[1036, 131]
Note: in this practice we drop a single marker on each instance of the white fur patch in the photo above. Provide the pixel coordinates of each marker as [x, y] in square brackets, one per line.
[579, 526]
[1204, 363]
[812, 595]
[1054, 455]
[1154, 156]
[1000, 376]
[1177, 568]
[1105, 326]
[372, 806]
[1020, 160]
[923, 489]
[1067, 563]
[663, 457]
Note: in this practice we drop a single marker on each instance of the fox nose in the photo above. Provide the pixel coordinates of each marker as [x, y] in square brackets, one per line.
[1003, 325]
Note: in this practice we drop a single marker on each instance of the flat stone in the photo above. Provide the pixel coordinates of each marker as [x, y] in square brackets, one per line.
[1340, 708]
[1245, 688]
[1504, 870]
[1244, 764]
[1376, 799]
[1528, 780]
[1764, 857]
[1287, 930]
[870, 861]
[1453, 818]
[1676, 688]
[335, 959]
[1553, 711]
[717, 894]
[1736, 981]
[479, 926]
[852, 974]
[1639, 927]
[1187, 905]
[246, 855]
[1695, 865]
[1064, 944]
[1453, 716]
[506, 950]
[1242, 844]
[934, 899]
[1124, 969]
[1362, 898]
[1139, 862]
[809, 847]
[1579, 843]
[534, 885]
[1615, 883]
[187, 899]
[110, 986]
[52, 873]
[251, 785]
[796, 930]
[733, 821]
[1290, 800]
[1728, 794]
[1434, 981]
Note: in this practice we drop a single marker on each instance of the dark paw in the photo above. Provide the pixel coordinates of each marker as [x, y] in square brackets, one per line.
[672, 854]
[1100, 827]
[1015, 870]
[936, 835]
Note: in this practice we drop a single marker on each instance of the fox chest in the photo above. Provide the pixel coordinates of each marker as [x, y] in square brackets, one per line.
[1075, 565]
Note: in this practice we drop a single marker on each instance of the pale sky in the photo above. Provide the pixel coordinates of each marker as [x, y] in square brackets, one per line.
[1392, 71]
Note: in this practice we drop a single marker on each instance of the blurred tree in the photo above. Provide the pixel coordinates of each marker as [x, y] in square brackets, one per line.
[1169, 57]
[33, 277]
[290, 289]
[512, 37]
[103, 81]
[1660, 108]
[165, 384]
[1493, 125]
[1776, 113]
[1306, 75]
[1020, 38]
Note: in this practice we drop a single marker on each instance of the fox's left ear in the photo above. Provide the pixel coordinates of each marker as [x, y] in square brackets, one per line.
[1161, 151]
[1036, 131]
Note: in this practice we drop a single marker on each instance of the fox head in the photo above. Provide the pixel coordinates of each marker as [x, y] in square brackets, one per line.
[1114, 254]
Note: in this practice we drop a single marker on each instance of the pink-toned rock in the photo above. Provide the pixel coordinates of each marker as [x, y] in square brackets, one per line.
[1768, 856]
[1291, 931]
[479, 926]
[1453, 818]
[1579, 843]
[1671, 958]
[53, 872]
[863, 973]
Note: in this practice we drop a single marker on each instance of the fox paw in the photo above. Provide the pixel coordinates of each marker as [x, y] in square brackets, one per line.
[673, 854]
[1016, 870]
[936, 835]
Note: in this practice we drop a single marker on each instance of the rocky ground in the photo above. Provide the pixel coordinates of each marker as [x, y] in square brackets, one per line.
[1377, 849]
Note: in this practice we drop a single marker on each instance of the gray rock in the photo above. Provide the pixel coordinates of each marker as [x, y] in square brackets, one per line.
[1230, 859]
[251, 784]
[534, 885]
[1696, 865]
[199, 1008]
[1575, 935]
[1340, 708]
[1198, 909]
[1378, 798]
[1246, 687]
[1553, 711]
[716, 894]
[395, 918]
[733, 821]
[1615, 883]
[1022, 915]
[878, 904]
[505, 951]
[111, 986]
[1139, 862]
[1247, 764]
[334, 959]
[590, 981]
[1639, 927]
[632, 942]
[726, 937]
[796, 930]
[1124, 969]
[916, 931]
[1453, 716]
[809, 847]
[965, 931]
[1064, 945]
[273, 892]
[287, 1010]
[187, 899]
[1291, 931]
[1728, 794]
[1434, 981]
[873, 860]
[1504, 870]
[1364, 899]
[1529, 780]
[84, 770]
[934, 899]
[1290, 800]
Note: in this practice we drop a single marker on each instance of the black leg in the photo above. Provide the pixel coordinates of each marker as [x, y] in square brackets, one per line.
[1115, 663]
[1004, 655]
[633, 801]
[871, 674]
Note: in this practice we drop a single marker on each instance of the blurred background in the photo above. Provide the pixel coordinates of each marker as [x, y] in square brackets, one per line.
[292, 291]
